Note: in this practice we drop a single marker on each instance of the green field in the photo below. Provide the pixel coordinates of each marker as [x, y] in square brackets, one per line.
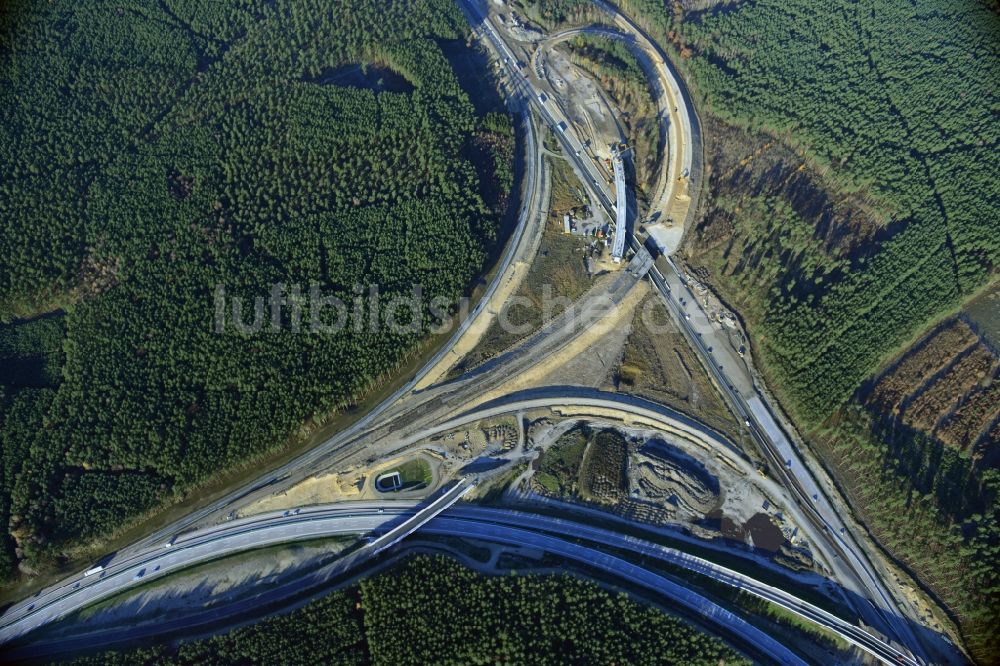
[413, 474]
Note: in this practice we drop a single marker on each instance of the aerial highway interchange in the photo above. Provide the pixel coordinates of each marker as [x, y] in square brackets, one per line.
[425, 406]
[721, 360]
[544, 532]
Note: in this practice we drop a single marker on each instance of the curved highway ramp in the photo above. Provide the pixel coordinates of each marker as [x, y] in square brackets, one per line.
[571, 540]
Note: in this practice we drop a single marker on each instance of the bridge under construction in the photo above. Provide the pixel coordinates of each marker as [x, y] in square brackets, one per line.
[621, 207]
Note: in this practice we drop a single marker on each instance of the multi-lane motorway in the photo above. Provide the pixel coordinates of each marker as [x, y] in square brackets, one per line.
[133, 559]
[844, 554]
[846, 558]
[574, 541]
[277, 527]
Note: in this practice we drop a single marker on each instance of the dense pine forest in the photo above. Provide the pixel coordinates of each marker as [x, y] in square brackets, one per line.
[892, 107]
[152, 151]
[433, 610]
[894, 100]
[850, 204]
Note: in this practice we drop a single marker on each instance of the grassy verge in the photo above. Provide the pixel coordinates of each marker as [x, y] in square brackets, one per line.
[603, 471]
[806, 637]
[558, 270]
[661, 366]
[415, 473]
[567, 194]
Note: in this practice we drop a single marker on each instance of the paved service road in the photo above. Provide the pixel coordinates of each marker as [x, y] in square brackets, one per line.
[842, 552]
[160, 554]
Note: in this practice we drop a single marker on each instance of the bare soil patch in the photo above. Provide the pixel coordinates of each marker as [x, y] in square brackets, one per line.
[947, 385]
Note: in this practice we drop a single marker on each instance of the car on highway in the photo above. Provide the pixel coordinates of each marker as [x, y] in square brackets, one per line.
[139, 574]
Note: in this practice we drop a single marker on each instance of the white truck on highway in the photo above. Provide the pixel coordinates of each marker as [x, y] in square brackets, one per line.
[93, 570]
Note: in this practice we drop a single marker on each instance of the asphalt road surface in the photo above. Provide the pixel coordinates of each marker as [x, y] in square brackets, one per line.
[153, 557]
[844, 554]
[543, 533]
